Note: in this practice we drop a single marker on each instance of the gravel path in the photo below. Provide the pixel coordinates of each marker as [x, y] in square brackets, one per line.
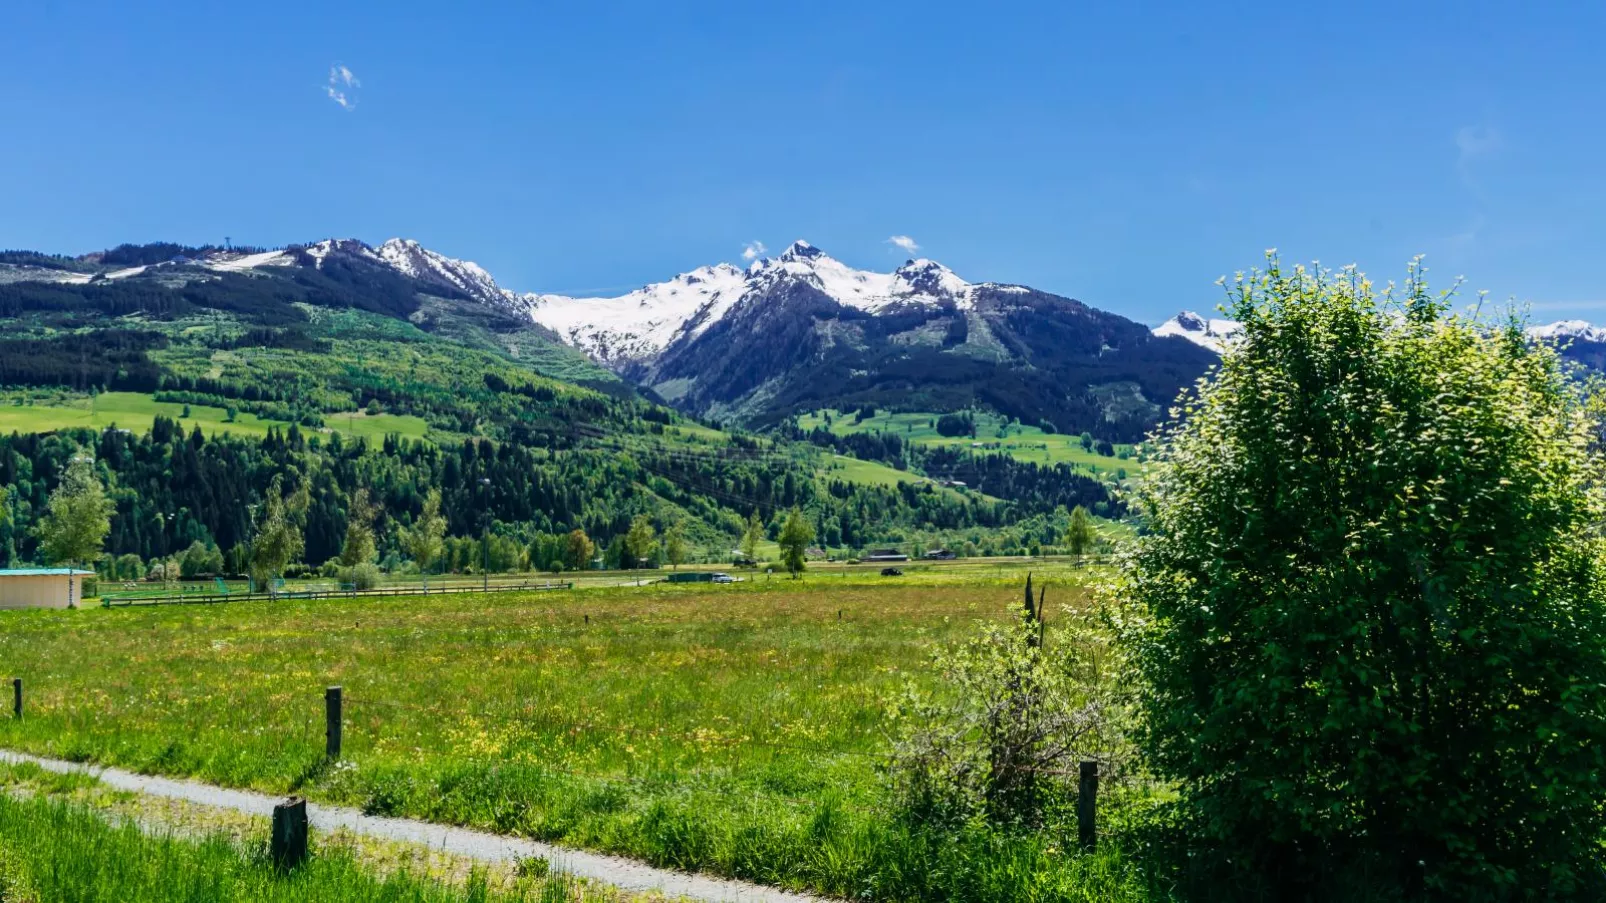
[619, 872]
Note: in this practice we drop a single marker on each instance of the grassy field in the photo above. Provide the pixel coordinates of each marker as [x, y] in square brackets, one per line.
[69, 837]
[54, 849]
[735, 729]
[957, 571]
[135, 411]
[853, 470]
[1025, 443]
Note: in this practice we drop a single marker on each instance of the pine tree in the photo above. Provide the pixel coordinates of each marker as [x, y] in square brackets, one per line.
[8, 542]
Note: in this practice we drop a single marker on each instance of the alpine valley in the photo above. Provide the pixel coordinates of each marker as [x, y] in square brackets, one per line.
[200, 379]
[906, 407]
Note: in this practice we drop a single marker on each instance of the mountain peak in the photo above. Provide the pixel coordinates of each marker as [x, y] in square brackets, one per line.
[1215, 334]
[923, 276]
[801, 250]
[1561, 330]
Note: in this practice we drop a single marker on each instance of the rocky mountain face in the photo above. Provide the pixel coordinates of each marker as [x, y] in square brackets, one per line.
[755, 344]
[803, 330]
[1214, 334]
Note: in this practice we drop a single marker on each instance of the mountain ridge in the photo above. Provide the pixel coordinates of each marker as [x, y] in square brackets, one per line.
[1218, 333]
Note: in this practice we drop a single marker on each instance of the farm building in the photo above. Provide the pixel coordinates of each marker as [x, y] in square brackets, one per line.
[886, 555]
[42, 587]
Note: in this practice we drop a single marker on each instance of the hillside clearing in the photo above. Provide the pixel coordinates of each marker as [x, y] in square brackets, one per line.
[137, 411]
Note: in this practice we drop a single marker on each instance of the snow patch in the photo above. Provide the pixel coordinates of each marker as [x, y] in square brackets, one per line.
[1566, 330]
[644, 322]
[1215, 334]
[228, 262]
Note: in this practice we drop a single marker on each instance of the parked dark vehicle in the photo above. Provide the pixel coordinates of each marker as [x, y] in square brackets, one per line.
[891, 572]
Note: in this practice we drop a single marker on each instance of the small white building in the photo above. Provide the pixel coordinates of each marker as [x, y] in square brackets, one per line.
[42, 587]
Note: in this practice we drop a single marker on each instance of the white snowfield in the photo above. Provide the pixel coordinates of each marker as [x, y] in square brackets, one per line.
[1563, 330]
[641, 324]
[236, 262]
[1215, 334]
[646, 320]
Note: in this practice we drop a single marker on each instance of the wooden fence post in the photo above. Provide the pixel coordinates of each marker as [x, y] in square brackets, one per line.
[331, 714]
[288, 845]
[16, 696]
[1087, 796]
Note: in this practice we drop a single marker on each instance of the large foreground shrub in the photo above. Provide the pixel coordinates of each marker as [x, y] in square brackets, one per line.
[1369, 604]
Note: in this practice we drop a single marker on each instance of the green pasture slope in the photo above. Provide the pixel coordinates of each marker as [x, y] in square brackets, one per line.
[135, 411]
[1024, 443]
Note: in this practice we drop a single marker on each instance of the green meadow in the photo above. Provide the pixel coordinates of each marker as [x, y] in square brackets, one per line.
[136, 411]
[68, 838]
[735, 729]
[994, 434]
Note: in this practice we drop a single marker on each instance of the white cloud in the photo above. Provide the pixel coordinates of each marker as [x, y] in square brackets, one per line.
[342, 86]
[904, 242]
[753, 250]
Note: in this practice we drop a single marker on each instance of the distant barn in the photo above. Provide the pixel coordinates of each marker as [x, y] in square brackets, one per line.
[886, 555]
[42, 587]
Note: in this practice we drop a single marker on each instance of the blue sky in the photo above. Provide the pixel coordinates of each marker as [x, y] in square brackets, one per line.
[1125, 156]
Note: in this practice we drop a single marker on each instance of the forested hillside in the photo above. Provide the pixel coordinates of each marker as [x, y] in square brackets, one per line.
[296, 372]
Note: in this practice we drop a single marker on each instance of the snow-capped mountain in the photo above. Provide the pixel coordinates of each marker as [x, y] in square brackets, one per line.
[803, 330]
[786, 334]
[1214, 334]
[636, 327]
[1568, 330]
[403, 255]
[1218, 334]
[640, 324]
[410, 258]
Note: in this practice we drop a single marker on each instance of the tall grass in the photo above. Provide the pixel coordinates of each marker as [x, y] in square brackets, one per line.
[736, 732]
[52, 850]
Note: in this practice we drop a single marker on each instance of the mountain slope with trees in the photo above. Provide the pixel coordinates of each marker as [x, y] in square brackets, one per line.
[536, 454]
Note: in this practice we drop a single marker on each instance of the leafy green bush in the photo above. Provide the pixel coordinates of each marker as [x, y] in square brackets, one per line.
[1370, 602]
[1019, 704]
[361, 576]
